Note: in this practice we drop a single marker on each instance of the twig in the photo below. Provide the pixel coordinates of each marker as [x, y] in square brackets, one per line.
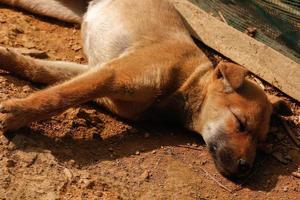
[222, 17]
[216, 181]
[188, 147]
[291, 133]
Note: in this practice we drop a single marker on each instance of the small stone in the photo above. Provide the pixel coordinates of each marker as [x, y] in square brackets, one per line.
[194, 145]
[137, 153]
[251, 31]
[203, 162]
[76, 48]
[145, 176]
[68, 174]
[153, 152]
[88, 184]
[285, 188]
[72, 163]
[79, 58]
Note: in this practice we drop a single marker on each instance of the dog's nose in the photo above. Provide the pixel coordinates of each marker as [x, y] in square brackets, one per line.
[244, 166]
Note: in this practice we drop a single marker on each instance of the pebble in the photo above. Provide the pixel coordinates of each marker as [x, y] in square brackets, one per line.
[68, 174]
[285, 188]
[145, 176]
[194, 145]
[137, 153]
[88, 184]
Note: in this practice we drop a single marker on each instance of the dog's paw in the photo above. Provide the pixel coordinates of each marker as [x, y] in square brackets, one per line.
[10, 117]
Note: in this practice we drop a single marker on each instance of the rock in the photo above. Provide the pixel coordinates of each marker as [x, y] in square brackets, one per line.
[88, 184]
[68, 174]
[251, 31]
[145, 176]
[137, 153]
[76, 47]
[285, 188]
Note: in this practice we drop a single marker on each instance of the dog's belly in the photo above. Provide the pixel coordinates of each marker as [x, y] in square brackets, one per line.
[112, 27]
[104, 35]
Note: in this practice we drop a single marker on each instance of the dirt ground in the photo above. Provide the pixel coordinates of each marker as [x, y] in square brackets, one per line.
[86, 153]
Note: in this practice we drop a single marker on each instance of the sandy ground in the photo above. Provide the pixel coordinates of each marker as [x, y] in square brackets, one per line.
[86, 153]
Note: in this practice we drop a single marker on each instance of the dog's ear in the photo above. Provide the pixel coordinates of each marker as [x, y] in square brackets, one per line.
[280, 107]
[233, 75]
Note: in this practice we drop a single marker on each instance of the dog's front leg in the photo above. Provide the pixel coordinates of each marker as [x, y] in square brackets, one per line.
[128, 79]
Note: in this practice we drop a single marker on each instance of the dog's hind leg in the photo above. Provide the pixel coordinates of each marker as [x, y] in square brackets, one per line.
[65, 10]
[36, 70]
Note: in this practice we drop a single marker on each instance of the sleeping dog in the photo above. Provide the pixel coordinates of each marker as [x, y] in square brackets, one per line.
[142, 61]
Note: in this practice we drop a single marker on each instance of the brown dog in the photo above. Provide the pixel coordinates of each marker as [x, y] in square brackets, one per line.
[142, 61]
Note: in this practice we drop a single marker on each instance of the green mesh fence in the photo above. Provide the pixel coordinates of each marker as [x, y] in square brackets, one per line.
[277, 22]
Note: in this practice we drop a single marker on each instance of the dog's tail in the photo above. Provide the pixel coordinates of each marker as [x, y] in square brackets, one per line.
[65, 10]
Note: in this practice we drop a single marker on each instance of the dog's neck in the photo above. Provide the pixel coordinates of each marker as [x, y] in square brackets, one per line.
[185, 104]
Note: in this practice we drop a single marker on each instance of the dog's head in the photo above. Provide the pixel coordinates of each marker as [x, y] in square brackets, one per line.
[235, 118]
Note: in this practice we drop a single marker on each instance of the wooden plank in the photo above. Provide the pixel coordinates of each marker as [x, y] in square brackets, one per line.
[260, 59]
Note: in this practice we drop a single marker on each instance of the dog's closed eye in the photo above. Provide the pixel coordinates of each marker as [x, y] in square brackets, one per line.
[241, 121]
